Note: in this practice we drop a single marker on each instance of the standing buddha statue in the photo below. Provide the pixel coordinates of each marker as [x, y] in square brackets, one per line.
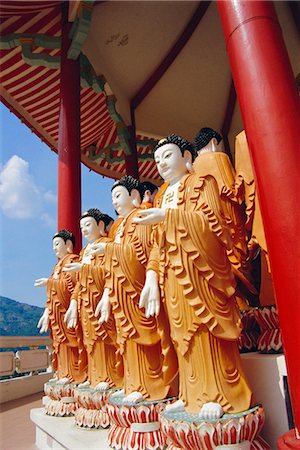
[104, 361]
[198, 285]
[150, 364]
[68, 353]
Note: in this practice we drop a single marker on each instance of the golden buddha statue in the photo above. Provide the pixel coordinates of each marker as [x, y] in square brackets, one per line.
[105, 365]
[150, 363]
[68, 353]
[212, 160]
[198, 285]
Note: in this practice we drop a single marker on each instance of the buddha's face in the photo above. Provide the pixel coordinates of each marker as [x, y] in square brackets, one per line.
[89, 228]
[170, 162]
[60, 247]
[122, 201]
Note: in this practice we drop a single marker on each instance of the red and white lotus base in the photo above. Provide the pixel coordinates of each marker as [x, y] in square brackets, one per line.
[90, 413]
[232, 431]
[61, 401]
[247, 341]
[269, 340]
[135, 427]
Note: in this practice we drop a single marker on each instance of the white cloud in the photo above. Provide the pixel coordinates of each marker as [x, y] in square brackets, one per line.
[49, 220]
[20, 196]
[50, 197]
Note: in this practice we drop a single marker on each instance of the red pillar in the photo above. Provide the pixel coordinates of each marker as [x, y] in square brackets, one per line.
[270, 109]
[131, 161]
[69, 170]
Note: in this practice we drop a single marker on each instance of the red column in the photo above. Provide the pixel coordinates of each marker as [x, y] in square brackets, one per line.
[69, 170]
[270, 109]
[131, 161]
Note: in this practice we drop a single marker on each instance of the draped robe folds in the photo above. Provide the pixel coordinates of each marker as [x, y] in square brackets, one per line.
[199, 287]
[218, 165]
[247, 192]
[150, 363]
[104, 360]
[68, 353]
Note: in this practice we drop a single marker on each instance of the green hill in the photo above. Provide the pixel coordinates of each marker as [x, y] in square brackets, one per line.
[18, 319]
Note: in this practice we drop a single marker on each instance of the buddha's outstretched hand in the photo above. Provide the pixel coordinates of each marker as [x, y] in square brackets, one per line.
[43, 323]
[72, 267]
[150, 297]
[103, 307]
[40, 282]
[151, 216]
[98, 249]
[70, 318]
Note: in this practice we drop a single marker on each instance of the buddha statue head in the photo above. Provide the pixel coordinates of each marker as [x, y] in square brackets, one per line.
[108, 222]
[63, 243]
[149, 191]
[93, 224]
[208, 140]
[173, 156]
[127, 194]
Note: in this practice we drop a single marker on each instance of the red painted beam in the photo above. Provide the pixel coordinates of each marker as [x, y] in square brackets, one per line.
[270, 108]
[69, 169]
[171, 56]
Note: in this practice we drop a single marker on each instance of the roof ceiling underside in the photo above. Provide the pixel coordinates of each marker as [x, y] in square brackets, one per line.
[167, 60]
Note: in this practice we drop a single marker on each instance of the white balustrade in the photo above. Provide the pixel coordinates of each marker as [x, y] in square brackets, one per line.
[24, 361]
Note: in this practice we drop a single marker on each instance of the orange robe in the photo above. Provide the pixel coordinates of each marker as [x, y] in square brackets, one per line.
[114, 227]
[104, 360]
[218, 165]
[246, 190]
[68, 353]
[150, 363]
[199, 287]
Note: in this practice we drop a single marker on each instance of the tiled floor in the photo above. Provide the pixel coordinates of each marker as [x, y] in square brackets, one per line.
[17, 430]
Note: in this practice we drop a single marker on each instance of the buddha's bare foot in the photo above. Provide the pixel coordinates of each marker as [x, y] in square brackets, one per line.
[63, 381]
[117, 393]
[84, 385]
[211, 411]
[133, 398]
[176, 406]
[102, 386]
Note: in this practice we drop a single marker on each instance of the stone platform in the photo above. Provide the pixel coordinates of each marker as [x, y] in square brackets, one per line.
[61, 433]
[265, 374]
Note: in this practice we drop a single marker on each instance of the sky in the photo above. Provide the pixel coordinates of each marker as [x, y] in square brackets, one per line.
[28, 208]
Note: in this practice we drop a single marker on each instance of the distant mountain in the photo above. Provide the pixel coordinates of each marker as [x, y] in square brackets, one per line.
[18, 319]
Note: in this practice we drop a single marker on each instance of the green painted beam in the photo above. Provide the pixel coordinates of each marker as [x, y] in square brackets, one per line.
[39, 59]
[122, 130]
[107, 154]
[104, 153]
[38, 40]
[88, 76]
[146, 142]
[80, 29]
[145, 157]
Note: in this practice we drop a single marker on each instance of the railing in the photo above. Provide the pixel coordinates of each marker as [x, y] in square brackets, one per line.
[23, 361]
[15, 361]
